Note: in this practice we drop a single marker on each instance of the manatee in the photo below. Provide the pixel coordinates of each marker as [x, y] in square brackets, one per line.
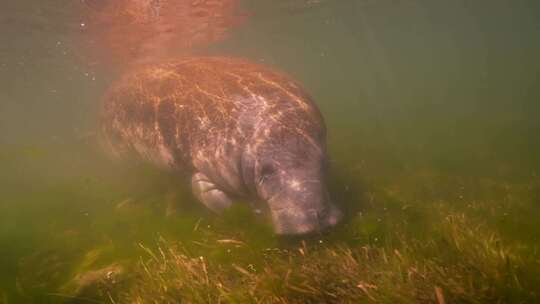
[240, 130]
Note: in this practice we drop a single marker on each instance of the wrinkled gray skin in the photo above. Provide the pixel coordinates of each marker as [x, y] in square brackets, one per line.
[291, 179]
[240, 129]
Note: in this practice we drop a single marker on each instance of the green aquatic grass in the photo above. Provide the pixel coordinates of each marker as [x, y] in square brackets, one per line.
[137, 236]
[459, 263]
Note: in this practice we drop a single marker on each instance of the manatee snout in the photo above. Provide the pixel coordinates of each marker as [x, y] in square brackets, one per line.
[294, 221]
[297, 198]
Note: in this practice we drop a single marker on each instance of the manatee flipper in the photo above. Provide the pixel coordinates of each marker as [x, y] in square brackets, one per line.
[209, 194]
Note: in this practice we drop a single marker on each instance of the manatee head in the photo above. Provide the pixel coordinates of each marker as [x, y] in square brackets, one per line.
[290, 178]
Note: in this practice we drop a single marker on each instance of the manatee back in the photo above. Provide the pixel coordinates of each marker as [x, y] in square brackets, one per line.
[195, 111]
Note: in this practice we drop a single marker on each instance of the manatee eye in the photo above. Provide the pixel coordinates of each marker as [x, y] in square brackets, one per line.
[267, 170]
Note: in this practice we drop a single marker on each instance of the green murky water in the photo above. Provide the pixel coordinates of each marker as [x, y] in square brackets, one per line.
[430, 105]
